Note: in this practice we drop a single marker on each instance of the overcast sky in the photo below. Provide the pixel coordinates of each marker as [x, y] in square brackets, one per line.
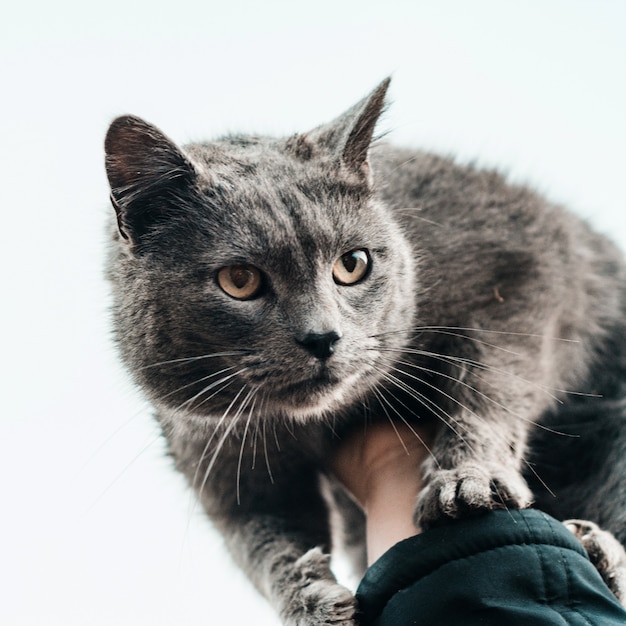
[96, 527]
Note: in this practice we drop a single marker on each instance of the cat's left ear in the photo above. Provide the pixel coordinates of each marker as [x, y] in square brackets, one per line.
[349, 137]
[147, 173]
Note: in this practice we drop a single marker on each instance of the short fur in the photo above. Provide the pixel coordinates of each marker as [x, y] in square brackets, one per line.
[483, 307]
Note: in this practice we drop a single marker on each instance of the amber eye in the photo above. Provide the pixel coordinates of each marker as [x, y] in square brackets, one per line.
[240, 281]
[351, 267]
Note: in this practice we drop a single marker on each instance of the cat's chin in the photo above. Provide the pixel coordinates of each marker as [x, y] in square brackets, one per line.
[316, 398]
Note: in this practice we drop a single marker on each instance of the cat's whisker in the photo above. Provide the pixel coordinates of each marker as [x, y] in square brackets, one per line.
[462, 383]
[243, 441]
[257, 426]
[452, 333]
[446, 418]
[461, 438]
[446, 358]
[408, 425]
[418, 330]
[110, 437]
[187, 403]
[473, 389]
[437, 389]
[265, 453]
[128, 465]
[255, 442]
[193, 359]
[473, 413]
[495, 332]
[522, 459]
[195, 382]
[215, 430]
[382, 402]
[225, 434]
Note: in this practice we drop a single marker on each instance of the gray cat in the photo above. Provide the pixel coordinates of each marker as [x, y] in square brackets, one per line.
[271, 294]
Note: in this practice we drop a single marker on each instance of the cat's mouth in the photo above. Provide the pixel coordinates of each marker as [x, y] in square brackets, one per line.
[320, 383]
[316, 395]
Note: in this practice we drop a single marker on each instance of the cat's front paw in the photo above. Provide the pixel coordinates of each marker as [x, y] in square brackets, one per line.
[316, 599]
[469, 488]
[605, 552]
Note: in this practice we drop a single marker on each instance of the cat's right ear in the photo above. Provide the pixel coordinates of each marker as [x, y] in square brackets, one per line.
[147, 174]
[348, 138]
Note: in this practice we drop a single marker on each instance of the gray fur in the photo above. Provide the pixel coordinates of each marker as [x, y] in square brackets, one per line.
[482, 305]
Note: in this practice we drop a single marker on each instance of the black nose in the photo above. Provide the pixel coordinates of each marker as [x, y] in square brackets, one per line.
[320, 345]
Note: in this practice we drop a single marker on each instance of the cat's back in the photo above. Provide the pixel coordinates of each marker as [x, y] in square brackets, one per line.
[457, 211]
[498, 255]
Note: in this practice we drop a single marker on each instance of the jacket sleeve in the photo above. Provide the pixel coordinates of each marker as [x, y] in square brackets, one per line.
[504, 567]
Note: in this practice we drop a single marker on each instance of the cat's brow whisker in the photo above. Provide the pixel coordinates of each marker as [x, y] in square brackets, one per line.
[401, 165]
[412, 210]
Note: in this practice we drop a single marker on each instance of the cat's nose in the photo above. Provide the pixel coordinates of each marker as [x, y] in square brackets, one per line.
[320, 345]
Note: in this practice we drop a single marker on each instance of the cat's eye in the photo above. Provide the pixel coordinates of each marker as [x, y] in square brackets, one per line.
[351, 267]
[242, 282]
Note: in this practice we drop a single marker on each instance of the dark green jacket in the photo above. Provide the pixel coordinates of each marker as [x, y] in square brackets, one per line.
[504, 568]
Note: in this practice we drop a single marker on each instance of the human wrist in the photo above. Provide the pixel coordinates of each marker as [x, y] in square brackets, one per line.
[381, 467]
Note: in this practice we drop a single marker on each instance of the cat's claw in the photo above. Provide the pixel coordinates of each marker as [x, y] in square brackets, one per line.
[458, 492]
[605, 552]
[318, 600]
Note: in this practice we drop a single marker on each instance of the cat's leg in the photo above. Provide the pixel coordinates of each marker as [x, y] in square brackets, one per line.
[605, 552]
[266, 501]
[295, 578]
[476, 458]
[578, 461]
[348, 528]
[468, 479]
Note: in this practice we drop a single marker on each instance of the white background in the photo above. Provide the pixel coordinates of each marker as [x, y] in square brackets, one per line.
[95, 527]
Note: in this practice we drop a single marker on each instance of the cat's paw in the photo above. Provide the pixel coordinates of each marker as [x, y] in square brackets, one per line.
[605, 552]
[469, 488]
[316, 599]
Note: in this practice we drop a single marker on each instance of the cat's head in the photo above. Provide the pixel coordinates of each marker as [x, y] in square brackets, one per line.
[256, 275]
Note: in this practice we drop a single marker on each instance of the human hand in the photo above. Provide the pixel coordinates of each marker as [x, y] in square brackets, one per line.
[381, 467]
